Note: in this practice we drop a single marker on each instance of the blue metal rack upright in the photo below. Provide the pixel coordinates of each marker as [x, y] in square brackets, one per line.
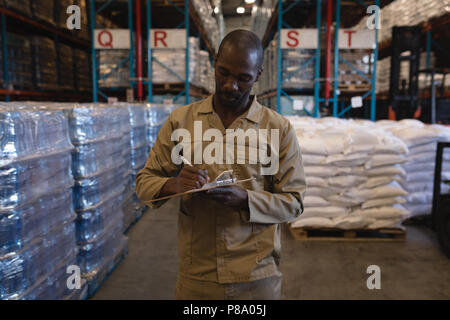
[185, 23]
[95, 76]
[337, 59]
[282, 24]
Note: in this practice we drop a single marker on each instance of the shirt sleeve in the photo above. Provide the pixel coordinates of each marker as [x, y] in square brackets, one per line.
[158, 168]
[284, 202]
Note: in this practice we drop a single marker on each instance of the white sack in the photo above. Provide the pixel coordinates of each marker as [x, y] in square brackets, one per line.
[312, 181]
[382, 202]
[313, 159]
[325, 171]
[324, 212]
[314, 201]
[378, 160]
[396, 211]
[342, 200]
[348, 160]
[391, 190]
[346, 181]
[385, 223]
[373, 182]
[321, 192]
[395, 170]
[312, 222]
[351, 222]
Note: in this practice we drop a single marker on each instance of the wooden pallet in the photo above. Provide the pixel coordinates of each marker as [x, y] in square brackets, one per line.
[325, 234]
[354, 87]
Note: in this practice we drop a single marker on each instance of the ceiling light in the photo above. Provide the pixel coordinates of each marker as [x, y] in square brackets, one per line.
[250, 1]
[240, 10]
[216, 10]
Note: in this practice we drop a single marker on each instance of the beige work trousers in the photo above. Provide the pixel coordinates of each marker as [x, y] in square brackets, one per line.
[264, 289]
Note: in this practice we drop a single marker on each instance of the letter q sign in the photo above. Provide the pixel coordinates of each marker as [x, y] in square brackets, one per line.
[112, 39]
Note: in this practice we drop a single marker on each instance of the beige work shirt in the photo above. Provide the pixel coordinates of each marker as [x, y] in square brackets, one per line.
[219, 243]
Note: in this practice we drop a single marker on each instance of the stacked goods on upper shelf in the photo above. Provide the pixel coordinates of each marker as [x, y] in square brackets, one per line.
[137, 155]
[157, 114]
[352, 78]
[204, 72]
[66, 67]
[19, 62]
[296, 72]
[43, 10]
[83, 74]
[114, 68]
[383, 75]
[261, 16]
[169, 64]
[421, 140]
[22, 6]
[268, 79]
[407, 13]
[37, 230]
[114, 65]
[353, 174]
[210, 25]
[292, 75]
[44, 52]
[100, 169]
[384, 69]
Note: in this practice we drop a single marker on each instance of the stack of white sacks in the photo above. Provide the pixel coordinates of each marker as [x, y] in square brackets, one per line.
[353, 173]
[421, 140]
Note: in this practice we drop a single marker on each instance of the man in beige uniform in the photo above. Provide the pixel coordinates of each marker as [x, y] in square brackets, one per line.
[228, 238]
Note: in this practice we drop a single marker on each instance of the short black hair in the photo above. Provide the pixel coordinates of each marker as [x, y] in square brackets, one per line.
[245, 40]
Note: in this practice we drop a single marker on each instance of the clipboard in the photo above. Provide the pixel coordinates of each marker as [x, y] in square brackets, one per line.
[199, 190]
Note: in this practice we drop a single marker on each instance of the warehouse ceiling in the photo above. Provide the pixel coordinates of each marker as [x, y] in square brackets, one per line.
[229, 7]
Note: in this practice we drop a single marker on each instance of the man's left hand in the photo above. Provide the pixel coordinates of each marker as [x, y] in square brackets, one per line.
[233, 196]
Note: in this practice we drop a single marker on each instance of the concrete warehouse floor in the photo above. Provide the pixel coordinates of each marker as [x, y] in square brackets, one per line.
[414, 269]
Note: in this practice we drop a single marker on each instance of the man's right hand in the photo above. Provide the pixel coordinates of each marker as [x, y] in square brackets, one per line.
[189, 178]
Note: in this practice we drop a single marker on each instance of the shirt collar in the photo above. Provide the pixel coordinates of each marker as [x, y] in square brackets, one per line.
[253, 114]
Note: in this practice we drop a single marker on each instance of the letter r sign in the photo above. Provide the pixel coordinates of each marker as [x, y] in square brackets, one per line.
[168, 38]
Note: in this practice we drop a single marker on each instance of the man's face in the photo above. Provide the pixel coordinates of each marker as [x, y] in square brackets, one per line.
[236, 73]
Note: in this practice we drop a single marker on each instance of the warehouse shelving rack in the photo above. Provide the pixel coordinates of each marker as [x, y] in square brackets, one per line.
[191, 22]
[356, 11]
[95, 76]
[7, 16]
[338, 58]
[278, 16]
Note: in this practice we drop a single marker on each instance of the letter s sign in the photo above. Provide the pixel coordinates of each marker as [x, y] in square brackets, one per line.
[293, 41]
